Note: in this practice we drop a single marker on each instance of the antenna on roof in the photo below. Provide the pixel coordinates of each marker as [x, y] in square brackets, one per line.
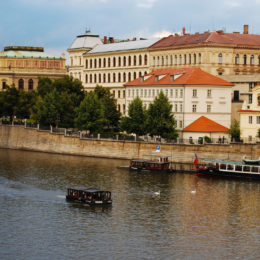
[87, 30]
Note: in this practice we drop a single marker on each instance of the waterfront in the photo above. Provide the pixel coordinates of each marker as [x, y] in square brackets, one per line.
[193, 218]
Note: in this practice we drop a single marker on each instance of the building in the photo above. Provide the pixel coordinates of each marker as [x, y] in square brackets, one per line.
[192, 92]
[109, 63]
[21, 67]
[250, 117]
[234, 57]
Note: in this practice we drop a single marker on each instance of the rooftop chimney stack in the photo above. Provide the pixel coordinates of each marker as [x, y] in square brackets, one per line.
[105, 39]
[245, 29]
[183, 31]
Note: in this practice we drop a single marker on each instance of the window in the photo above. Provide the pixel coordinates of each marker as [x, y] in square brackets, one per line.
[86, 78]
[237, 59]
[258, 100]
[124, 77]
[104, 78]
[86, 64]
[158, 61]
[195, 58]
[123, 93]
[129, 76]
[252, 60]
[108, 78]
[118, 94]
[21, 84]
[258, 60]
[90, 63]
[3, 85]
[114, 77]
[180, 60]
[189, 58]
[99, 78]
[185, 59]
[153, 61]
[104, 63]
[99, 63]
[199, 58]
[194, 93]
[258, 119]
[166, 60]
[208, 108]
[134, 60]
[119, 61]
[95, 78]
[181, 107]
[114, 61]
[124, 61]
[181, 93]
[145, 59]
[119, 77]
[140, 60]
[171, 60]
[30, 84]
[171, 92]
[176, 93]
[180, 124]
[95, 63]
[129, 61]
[134, 75]
[71, 61]
[250, 119]
[244, 59]
[162, 60]
[108, 62]
[209, 93]
[176, 107]
[236, 95]
[220, 58]
[194, 108]
[250, 98]
[176, 60]
[166, 92]
[90, 78]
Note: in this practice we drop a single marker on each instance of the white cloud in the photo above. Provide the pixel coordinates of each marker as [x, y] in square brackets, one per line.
[146, 3]
[161, 34]
[233, 3]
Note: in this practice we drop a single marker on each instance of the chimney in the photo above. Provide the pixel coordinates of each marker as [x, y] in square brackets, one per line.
[134, 39]
[111, 40]
[183, 31]
[245, 29]
[105, 39]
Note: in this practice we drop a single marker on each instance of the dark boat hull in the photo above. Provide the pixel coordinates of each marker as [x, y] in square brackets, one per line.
[211, 171]
[89, 202]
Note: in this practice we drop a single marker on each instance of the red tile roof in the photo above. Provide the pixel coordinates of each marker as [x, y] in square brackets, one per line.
[209, 38]
[187, 76]
[203, 124]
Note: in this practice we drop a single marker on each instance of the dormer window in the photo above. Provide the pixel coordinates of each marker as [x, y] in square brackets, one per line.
[172, 78]
[156, 78]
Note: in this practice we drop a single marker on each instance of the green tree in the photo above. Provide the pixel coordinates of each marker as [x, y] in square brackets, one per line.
[160, 120]
[234, 131]
[135, 121]
[27, 100]
[44, 86]
[111, 114]
[90, 114]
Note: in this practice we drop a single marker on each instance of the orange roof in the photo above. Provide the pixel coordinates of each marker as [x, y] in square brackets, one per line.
[203, 124]
[185, 76]
[208, 38]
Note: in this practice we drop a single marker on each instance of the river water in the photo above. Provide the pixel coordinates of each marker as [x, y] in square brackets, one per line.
[192, 218]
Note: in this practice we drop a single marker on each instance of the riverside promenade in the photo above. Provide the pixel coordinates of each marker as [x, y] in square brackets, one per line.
[31, 139]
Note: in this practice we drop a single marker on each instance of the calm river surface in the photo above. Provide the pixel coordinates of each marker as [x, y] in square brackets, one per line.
[193, 218]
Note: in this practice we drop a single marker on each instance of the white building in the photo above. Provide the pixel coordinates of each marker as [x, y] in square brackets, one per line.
[192, 92]
[250, 116]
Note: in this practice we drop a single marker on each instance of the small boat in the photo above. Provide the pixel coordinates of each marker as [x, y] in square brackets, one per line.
[160, 165]
[229, 169]
[91, 196]
[251, 162]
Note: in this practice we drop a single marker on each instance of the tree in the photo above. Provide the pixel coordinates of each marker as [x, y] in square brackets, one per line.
[235, 131]
[90, 114]
[135, 121]
[111, 115]
[44, 86]
[160, 120]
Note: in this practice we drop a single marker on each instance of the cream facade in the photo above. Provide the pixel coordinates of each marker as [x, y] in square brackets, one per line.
[22, 66]
[250, 117]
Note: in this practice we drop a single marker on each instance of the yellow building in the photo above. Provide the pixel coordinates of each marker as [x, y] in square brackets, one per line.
[22, 66]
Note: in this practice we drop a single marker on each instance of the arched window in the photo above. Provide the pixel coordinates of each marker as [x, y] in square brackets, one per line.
[252, 60]
[189, 58]
[108, 80]
[140, 60]
[109, 62]
[162, 60]
[153, 61]
[90, 63]
[199, 58]
[21, 84]
[30, 84]
[166, 60]
[114, 77]
[118, 108]
[158, 61]
[129, 60]
[171, 60]
[104, 62]
[245, 59]
[114, 61]
[86, 78]
[119, 77]
[195, 58]
[145, 59]
[180, 60]
[129, 76]
[95, 63]
[145, 72]
[237, 59]
[99, 63]
[259, 60]
[104, 78]
[124, 61]
[140, 74]
[185, 59]
[119, 61]
[176, 60]
[124, 77]
[134, 75]
[99, 78]
[90, 78]
[134, 60]
[95, 78]
[220, 58]
[86, 64]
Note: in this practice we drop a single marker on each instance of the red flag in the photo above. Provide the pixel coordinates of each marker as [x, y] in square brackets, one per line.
[196, 159]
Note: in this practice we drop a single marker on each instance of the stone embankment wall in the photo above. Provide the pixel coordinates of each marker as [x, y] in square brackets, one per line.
[17, 137]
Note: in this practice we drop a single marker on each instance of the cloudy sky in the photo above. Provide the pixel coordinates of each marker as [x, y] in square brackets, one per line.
[54, 24]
